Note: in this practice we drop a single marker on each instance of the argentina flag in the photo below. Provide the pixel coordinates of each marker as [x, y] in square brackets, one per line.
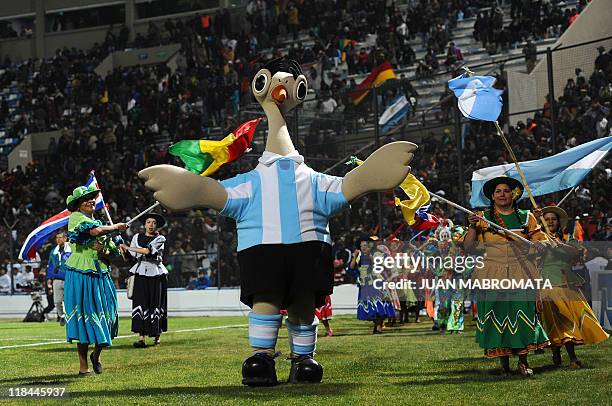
[548, 175]
[476, 97]
[393, 115]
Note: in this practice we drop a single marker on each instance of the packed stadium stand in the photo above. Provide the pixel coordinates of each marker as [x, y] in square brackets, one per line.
[123, 120]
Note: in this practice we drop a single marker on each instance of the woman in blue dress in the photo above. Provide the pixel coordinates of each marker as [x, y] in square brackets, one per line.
[90, 298]
[373, 304]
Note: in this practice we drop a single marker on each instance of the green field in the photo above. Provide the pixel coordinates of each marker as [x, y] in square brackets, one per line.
[405, 365]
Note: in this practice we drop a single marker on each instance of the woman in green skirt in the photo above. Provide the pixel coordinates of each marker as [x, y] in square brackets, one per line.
[89, 293]
[507, 322]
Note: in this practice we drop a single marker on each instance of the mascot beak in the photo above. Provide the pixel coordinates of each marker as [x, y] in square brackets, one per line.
[279, 94]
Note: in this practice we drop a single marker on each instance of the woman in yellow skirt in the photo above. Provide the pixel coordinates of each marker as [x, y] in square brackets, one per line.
[566, 315]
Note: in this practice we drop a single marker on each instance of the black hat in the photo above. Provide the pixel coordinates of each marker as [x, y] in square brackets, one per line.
[158, 217]
[491, 184]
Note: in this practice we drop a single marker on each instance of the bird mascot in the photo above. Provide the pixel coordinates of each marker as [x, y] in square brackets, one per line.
[282, 210]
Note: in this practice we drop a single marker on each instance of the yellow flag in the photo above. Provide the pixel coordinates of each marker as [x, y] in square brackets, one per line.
[419, 197]
[415, 190]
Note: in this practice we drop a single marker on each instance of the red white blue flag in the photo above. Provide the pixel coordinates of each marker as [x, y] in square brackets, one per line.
[49, 227]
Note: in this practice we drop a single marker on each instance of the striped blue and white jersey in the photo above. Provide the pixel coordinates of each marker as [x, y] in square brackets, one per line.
[282, 201]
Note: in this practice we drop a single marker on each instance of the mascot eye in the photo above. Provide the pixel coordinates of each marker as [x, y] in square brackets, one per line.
[301, 90]
[260, 82]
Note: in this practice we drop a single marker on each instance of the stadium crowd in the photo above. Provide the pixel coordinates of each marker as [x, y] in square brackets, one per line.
[122, 123]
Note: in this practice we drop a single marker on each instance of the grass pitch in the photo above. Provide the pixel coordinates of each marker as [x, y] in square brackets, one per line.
[405, 365]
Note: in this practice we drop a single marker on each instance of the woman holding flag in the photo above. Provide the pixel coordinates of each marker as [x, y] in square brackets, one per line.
[89, 293]
[566, 315]
[507, 322]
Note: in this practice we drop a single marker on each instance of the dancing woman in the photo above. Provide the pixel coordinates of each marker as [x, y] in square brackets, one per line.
[90, 298]
[150, 298]
[373, 304]
[507, 322]
[566, 314]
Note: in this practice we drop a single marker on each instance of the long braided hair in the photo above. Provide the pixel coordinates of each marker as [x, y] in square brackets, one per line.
[515, 212]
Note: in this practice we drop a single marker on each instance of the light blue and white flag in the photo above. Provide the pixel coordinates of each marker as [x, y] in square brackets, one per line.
[476, 97]
[547, 175]
[393, 115]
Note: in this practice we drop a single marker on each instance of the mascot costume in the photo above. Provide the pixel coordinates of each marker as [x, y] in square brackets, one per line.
[282, 210]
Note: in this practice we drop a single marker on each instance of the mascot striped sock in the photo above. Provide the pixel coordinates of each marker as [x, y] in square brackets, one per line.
[302, 338]
[263, 331]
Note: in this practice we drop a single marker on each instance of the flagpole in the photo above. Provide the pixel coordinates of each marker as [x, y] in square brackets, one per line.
[567, 195]
[108, 217]
[143, 213]
[520, 172]
[377, 145]
[467, 211]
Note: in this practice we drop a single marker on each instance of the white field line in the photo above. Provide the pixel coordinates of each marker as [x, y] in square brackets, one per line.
[51, 341]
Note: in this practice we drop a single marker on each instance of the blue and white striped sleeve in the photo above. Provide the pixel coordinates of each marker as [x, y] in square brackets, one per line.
[239, 192]
[329, 198]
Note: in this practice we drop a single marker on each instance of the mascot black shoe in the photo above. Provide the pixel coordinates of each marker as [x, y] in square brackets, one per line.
[305, 369]
[259, 370]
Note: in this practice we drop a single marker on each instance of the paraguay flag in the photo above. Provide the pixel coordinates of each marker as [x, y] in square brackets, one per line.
[394, 114]
[49, 227]
[205, 157]
[476, 97]
[547, 175]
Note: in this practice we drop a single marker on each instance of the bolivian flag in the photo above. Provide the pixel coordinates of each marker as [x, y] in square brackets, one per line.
[205, 157]
[376, 78]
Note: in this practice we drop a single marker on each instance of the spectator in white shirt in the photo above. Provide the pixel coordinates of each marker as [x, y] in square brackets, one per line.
[17, 279]
[328, 106]
[5, 281]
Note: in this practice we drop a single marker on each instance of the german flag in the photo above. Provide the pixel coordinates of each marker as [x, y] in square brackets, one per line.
[376, 78]
[205, 157]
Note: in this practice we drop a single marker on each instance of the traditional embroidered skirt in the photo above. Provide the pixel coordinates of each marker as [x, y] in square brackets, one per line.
[90, 302]
[567, 317]
[508, 323]
[150, 305]
[372, 304]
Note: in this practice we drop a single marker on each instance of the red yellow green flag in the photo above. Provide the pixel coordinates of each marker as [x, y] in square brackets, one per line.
[377, 77]
[205, 157]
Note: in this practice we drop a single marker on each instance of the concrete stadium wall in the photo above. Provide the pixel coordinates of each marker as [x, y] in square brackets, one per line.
[83, 38]
[593, 23]
[24, 152]
[142, 56]
[21, 155]
[209, 302]
[52, 5]
[522, 96]
[13, 8]
[18, 49]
